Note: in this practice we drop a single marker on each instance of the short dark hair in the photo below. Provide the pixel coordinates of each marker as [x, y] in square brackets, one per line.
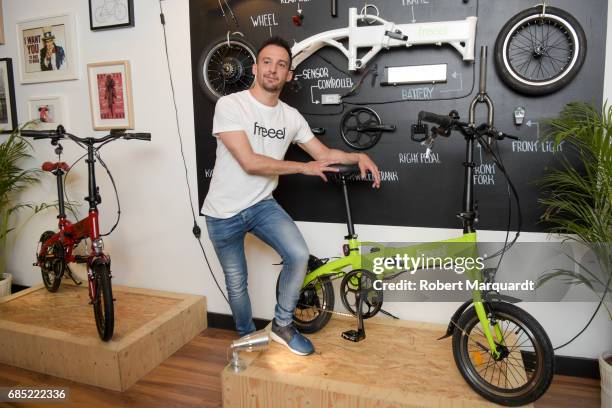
[278, 41]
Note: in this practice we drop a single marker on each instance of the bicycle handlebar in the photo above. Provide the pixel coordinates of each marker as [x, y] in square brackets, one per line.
[451, 122]
[139, 136]
[39, 134]
[60, 133]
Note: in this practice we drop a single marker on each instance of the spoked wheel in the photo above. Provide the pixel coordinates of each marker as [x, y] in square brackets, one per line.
[524, 369]
[103, 301]
[364, 279]
[314, 307]
[538, 54]
[225, 67]
[352, 125]
[52, 264]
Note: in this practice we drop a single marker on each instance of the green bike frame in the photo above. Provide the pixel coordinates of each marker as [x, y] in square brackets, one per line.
[354, 259]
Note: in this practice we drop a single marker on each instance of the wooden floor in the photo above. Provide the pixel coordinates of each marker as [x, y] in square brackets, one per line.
[191, 378]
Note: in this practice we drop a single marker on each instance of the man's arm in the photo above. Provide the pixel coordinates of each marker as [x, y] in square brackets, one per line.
[238, 144]
[315, 148]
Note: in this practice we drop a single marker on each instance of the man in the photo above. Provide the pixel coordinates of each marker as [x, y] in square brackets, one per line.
[254, 129]
[51, 55]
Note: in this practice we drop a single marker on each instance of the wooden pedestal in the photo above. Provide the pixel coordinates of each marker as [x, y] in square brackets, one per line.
[55, 333]
[399, 364]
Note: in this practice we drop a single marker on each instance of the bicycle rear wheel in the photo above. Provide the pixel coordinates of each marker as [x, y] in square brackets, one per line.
[52, 264]
[103, 302]
[314, 307]
[523, 371]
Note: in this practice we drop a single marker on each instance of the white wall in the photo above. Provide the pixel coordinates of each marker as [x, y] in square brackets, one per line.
[153, 246]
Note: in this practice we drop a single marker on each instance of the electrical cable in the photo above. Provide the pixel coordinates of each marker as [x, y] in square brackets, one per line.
[67, 198]
[506, 247]
[197, 232]
[485, 145]
[603, 296]
[509, 223]
[332, 64]
[110, 176]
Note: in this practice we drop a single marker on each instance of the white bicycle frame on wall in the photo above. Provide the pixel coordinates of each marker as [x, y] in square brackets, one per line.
[459, 34]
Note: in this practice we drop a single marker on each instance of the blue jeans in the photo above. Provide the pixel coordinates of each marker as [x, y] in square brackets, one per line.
[270, 223]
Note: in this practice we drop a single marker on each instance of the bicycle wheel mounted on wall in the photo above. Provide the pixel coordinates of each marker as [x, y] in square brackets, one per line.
[225, 67]
[538, 54]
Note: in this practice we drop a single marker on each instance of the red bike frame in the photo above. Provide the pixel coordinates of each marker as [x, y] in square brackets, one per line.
[69, 234]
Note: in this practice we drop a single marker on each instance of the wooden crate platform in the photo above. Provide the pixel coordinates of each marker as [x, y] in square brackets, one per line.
[399, 364]
[55, 333]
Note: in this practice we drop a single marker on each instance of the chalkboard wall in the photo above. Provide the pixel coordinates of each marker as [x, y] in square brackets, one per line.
[415, 191]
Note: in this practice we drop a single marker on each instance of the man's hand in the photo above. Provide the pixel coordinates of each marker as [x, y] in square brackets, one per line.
[366, 164]
[318, 167]
[319, 151]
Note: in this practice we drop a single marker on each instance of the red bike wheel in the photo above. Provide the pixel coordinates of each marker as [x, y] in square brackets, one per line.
[52, 265]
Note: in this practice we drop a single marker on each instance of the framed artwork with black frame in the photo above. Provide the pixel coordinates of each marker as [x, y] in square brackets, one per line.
[8, 110]
[108, 14]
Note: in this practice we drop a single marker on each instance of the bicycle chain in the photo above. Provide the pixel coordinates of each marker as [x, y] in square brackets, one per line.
[320, 309]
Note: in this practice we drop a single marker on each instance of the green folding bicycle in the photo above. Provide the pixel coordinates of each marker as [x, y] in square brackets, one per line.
[501, 350]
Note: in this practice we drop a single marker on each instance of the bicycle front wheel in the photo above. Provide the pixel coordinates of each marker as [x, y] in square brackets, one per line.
[524, 369]
[103, 303]
[537, 54]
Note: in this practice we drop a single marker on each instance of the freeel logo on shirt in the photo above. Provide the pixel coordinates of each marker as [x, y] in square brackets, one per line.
[271, 133]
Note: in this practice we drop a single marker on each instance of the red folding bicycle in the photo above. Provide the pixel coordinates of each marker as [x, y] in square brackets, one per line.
[55, 250]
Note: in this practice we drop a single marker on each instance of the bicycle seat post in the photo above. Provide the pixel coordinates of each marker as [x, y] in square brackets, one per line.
[59, 175]
[347, 206]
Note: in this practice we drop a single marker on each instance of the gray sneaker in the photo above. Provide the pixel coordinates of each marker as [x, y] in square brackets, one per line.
[293, 339]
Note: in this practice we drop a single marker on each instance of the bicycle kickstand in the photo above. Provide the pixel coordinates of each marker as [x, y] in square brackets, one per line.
[359, 334]
[71, 276]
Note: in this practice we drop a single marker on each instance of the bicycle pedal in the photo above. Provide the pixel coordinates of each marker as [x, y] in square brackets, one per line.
[354, 335]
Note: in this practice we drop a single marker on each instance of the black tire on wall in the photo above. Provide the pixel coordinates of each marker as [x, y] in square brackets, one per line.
[538, 55]
[224, 67]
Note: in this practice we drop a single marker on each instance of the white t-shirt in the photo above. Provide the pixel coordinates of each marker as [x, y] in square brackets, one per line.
[270, 130]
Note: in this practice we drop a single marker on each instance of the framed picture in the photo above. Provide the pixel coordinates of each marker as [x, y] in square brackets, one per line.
[47, 49]
[110, 95]
[46, 112]
[105, 14]
[8, 110]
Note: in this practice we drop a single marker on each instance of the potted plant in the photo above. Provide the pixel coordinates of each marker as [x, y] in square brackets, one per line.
[578, 204]
[13, 179]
